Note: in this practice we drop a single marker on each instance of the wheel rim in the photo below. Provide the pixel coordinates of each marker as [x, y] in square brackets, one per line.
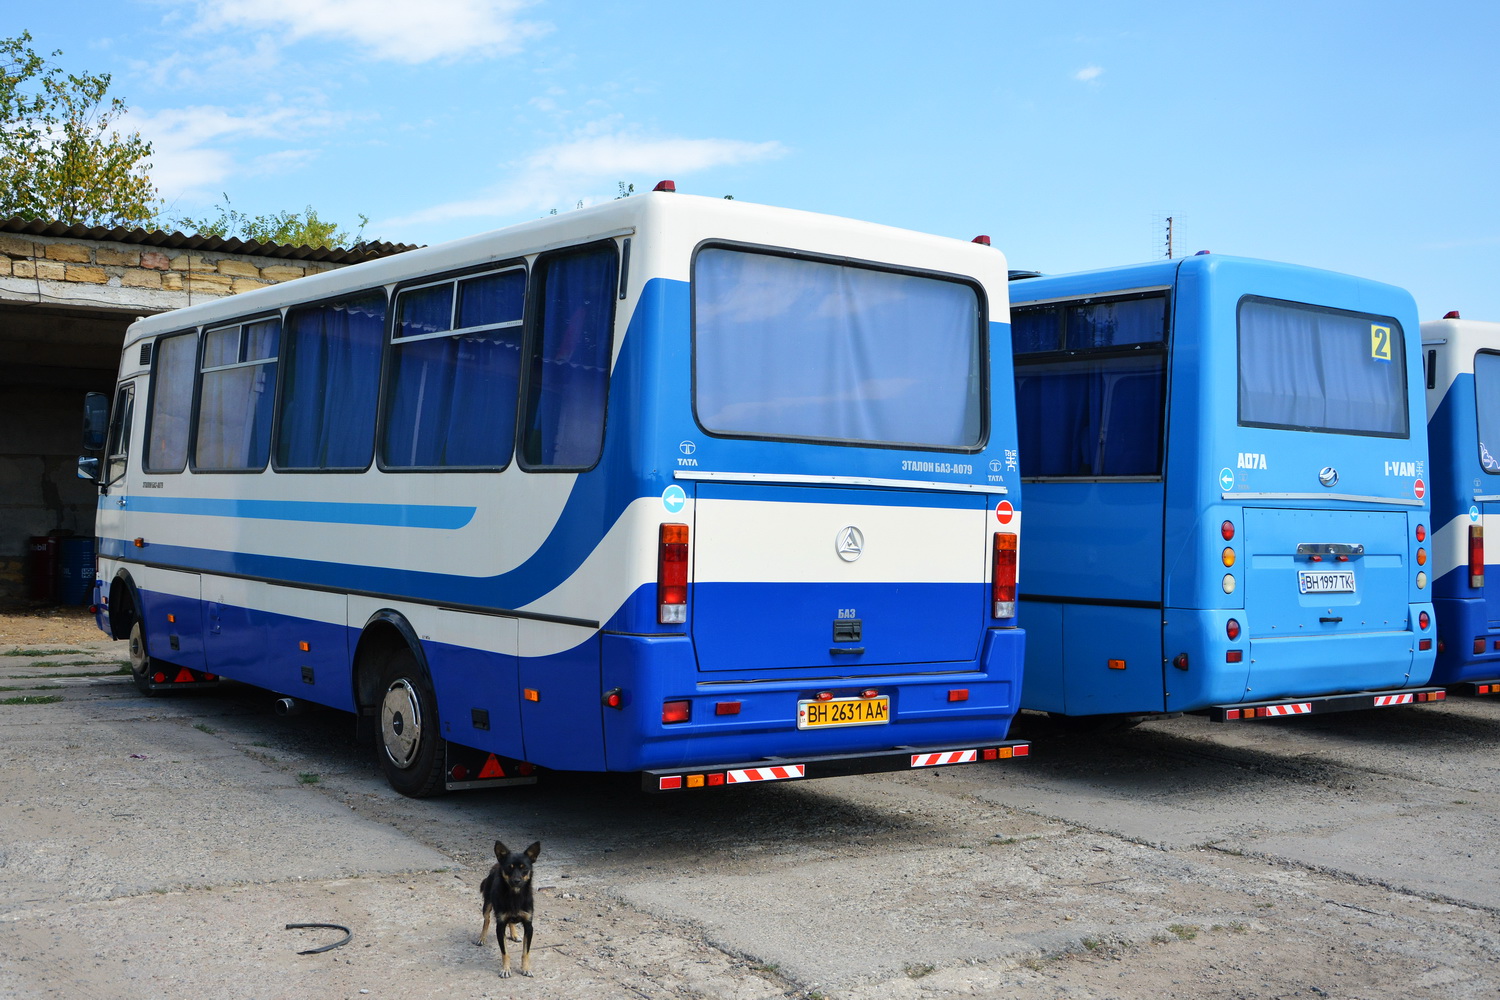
[138, 658]
[401, 722]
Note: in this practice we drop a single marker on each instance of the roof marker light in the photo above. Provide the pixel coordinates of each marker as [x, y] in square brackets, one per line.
[1452, 314]
[983, 241]
[667, 186]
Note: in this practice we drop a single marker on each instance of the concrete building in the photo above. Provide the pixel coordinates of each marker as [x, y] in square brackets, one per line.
[67, 293]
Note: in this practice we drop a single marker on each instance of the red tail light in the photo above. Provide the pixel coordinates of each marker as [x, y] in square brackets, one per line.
[1003, 575]
[672, 575]
[1476, 555]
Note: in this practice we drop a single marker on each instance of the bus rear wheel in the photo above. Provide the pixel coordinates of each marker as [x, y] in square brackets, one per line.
[410, 745]
[140, 660]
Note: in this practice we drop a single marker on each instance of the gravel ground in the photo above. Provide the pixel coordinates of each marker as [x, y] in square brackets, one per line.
[44, 625]
[156, 848]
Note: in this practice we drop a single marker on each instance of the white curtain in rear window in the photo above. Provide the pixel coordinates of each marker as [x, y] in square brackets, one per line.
[790, 348]
[1305, 368]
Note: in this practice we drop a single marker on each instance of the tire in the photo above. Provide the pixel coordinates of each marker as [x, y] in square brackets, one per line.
[410, 742]
[141, 666]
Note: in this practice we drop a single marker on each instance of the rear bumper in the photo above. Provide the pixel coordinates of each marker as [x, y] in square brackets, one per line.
[1462, 625]
[830, 765]
[1352, 702]
[968, 704]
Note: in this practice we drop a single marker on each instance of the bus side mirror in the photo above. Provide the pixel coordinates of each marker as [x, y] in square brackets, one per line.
[95, 421]
[88, 468]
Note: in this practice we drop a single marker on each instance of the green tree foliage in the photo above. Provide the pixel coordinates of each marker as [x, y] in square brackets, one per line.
[296, 229]
[61, 156]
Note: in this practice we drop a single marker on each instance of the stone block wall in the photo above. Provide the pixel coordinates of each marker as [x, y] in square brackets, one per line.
[119, 275]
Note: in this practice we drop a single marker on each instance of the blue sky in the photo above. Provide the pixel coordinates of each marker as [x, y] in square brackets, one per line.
[1356, 136]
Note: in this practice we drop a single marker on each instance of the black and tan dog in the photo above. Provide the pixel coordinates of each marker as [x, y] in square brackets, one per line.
[508, 898]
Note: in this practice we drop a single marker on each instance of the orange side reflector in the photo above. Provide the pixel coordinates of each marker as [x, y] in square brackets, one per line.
[304, 646]
[695, 781]
[1116, 664]
[492, 768]
[171, 618]
[531, 694]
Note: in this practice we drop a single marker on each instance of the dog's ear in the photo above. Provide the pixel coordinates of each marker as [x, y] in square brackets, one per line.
[500, 851]
[534, 850]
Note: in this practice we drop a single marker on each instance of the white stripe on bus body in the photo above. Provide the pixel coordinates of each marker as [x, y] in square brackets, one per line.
[939, 759]
[778, 773]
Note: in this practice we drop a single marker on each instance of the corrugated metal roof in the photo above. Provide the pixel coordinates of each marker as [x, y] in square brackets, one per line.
[212, 244]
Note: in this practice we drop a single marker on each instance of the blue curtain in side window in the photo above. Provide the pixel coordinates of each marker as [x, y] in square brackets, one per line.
[453, 399]
[1100, 418]
[328, 407]
[1033, 330]
[1053, 415]
[569, 369]
[1117, 324]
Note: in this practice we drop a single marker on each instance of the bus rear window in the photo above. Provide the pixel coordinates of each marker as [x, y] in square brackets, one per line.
[1307, 368]
[802, 349]
[1487, 407]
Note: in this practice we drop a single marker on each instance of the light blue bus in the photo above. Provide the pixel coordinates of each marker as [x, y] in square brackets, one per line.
[1226, 487]
[1462, 359]
[709, 491]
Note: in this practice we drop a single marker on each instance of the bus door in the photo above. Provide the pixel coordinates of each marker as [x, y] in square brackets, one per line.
[1091, 390]
[837, 578]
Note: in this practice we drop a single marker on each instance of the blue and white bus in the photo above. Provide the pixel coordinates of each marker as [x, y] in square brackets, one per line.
[1225, 473]
[699, 489]
[1462, 360]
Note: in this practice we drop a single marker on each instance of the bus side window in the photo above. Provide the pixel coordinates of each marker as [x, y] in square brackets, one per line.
[331, 372]
[237, 387]
[454, 371]
[1091, 388]
[568, 367]
[170, 416]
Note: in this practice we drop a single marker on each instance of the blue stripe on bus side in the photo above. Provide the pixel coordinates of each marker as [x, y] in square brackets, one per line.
[445, 518]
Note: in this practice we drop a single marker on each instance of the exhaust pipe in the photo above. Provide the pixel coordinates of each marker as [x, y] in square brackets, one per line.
[293, 706]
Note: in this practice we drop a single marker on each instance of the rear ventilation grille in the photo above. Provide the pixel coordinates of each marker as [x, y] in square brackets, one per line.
[146, 353]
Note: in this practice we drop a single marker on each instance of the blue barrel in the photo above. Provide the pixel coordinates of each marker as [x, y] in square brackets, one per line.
[75, 570]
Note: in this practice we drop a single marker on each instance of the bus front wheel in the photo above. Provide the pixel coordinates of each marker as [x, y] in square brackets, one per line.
[140, 660]
[410, 743]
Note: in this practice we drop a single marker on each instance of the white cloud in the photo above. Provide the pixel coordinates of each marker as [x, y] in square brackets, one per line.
[409, 31]
[193, 152]
[554, 176]
[1088, 74]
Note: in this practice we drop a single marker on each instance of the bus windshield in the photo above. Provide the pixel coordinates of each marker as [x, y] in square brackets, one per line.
[1313, 369]
[803, 349]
